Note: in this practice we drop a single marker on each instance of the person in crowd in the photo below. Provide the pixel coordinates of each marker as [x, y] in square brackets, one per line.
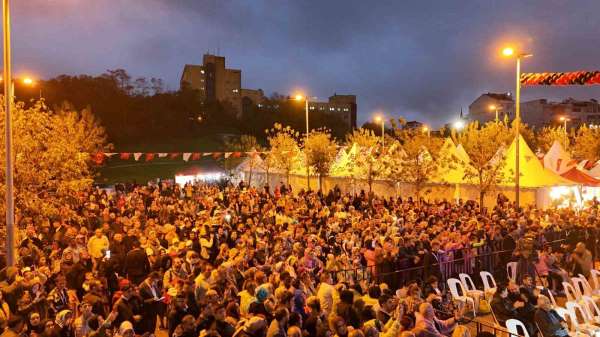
[548, 320]
[234, 260]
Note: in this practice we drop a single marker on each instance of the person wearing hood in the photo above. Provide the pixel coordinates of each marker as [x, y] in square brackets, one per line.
[125, 330]
[63, 327]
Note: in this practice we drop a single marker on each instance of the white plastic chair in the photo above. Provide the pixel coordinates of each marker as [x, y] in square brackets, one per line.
[513, 326]
[549, 293]
[468, 284]
[592, 308]
[454, 284]
[570, 291]
[489, 283]
[587, 287]
[587, 326]
[511, 271]
[596, 279]
[571, 322]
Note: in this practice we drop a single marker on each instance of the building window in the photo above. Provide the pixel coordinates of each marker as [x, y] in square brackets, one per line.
[345, 109]
[260, 105]
[235, 91]
[339, 109]
[331, 109]
[312, 107]
[201, 71]
[321, 108]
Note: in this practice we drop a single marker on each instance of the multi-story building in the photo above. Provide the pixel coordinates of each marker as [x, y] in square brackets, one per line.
[483, 109]
[214, 81]
[538, 112]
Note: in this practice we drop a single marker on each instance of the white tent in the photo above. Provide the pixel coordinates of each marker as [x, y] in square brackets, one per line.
[558, 160]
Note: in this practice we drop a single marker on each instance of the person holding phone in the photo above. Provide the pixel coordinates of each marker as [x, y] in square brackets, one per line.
[151, 294]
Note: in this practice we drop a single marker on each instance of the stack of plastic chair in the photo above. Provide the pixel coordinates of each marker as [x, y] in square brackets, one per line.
[592, 309]
[472, 291]
[454, 285]
[572, 293]
[571, 322]
[584, 285]
[489, 284]
[587, 326]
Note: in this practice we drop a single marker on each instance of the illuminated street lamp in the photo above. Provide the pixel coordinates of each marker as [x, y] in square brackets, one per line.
[494, 108]
[459, 125]
[10, 198]
[510, 52]
[426, 129]
[299, 98]
[565, 120]
[380, 119]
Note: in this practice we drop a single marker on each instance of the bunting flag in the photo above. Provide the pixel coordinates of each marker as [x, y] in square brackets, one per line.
[558, 79]
[100, 157]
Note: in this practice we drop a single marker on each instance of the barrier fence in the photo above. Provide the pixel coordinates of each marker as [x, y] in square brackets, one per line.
[447, 265]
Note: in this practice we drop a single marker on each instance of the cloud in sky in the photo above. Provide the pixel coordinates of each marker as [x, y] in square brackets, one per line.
[424, 60]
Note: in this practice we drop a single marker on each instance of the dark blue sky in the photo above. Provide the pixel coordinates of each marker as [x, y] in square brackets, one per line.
[420, 59]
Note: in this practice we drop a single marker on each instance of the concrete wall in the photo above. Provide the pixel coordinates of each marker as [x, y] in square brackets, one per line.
[536, 197]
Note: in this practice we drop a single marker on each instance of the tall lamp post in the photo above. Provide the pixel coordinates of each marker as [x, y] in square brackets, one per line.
[10, 205]
[380, 119]
[510, 52]
[565, 120]
[300, 98]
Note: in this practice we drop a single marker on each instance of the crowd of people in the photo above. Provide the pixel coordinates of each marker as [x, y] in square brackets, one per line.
[235, 261]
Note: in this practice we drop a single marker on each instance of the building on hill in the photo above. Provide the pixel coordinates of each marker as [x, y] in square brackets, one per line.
[537, 113]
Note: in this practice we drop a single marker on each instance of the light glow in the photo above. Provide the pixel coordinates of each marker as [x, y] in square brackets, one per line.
[299, 97]
[458, 125]
[204, 177]
[508, 51]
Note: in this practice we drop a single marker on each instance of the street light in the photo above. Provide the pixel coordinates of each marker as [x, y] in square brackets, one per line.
[426, 129]
[459, 125]
[510, 52]
[10, 201]
[299, 97]
[494, 108]
[565, 120]
[380, 119]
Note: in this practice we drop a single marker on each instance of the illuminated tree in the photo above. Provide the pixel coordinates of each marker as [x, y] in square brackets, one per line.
[587, 144]
[284, 149]
[52, 159]
[364, 162]
[548, 135]
[245, 143]
[482, 144]
[319, 151]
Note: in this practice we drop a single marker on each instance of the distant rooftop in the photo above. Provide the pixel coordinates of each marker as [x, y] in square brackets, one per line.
[503, 96]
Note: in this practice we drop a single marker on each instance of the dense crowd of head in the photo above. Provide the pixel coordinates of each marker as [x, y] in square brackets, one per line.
[236, 261]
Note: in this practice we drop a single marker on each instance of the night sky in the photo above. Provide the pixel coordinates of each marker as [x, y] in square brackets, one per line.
[421, 59]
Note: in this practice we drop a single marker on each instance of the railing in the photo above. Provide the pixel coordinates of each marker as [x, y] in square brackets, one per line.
[472, 261]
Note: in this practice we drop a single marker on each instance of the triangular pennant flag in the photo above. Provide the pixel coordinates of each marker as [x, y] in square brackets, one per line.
[109, 154]
[125, 155]
[98, 158]
[162, 155]
[137, 156]
[186, 156]
[216, 155]
[205, 154]
[196, 156]
[174, 155]
[149, 156]
[227, 154]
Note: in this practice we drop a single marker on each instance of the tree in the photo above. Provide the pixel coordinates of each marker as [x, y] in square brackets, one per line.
[548, 135]
[418, 159]
[284, 149]
[245, 143]
[482, 145]
[587, 144]
[365, 162]
[52, 159]
[320, 151]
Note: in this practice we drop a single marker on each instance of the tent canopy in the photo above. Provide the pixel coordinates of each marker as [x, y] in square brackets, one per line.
[458, 164]
[580, 177]
[558, 160]
[532, 172]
